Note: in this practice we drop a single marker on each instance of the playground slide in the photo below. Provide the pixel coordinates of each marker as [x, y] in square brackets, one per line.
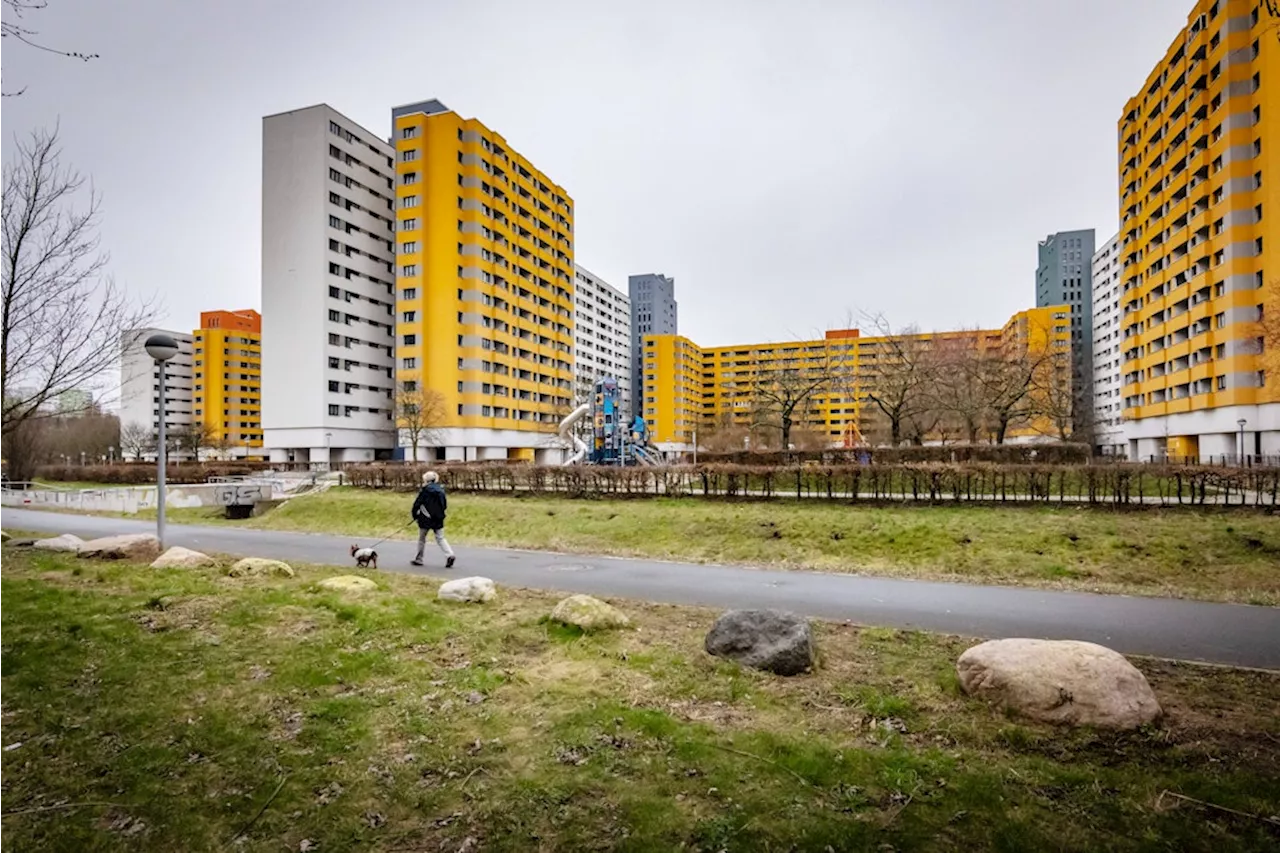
[566, 434]
[645, 455]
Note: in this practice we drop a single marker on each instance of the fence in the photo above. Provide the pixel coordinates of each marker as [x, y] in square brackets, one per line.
[1095, 484]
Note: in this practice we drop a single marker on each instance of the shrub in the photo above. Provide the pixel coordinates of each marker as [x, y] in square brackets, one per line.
[1107, 483]
[141, 474]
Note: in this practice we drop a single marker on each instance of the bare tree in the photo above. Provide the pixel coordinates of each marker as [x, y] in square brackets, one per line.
[959, 384]
[136, 440]
[899, 375]
[1055, 406]
[191, 438]
[62, 316]
[419, 412]
[13, 28]
[784, 390]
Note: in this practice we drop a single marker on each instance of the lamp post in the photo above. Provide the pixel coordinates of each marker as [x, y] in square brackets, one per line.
[111, 455]
[1240, 423]
[328, 450]
[161, 348]
[695, 447]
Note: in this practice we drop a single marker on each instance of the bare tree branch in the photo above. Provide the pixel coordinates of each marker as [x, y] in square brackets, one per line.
[62, 316]
[13, 29]
[136, 440]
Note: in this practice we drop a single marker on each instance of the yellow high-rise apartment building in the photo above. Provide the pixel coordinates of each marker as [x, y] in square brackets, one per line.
[1199, 202]
[690, 388]
[484, 288]
[227, 381]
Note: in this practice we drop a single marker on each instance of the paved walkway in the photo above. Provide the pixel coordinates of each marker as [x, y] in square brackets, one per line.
[1233, 634]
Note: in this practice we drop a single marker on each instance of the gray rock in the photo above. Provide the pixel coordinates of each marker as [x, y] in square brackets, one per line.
[66, 542]
[140, 547]
[777, 642]
[257, 567]
[1059, 681]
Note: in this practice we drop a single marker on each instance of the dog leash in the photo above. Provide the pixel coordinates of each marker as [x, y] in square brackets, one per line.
[392, 533]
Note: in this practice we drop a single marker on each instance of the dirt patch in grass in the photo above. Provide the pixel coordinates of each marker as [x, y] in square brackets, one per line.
[152, 709]
[1193, 553]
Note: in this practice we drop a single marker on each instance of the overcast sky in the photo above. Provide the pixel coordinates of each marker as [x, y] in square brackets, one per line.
[787, 162]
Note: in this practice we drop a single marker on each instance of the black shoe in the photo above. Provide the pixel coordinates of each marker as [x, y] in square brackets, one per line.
[448, 564]
[415, 562]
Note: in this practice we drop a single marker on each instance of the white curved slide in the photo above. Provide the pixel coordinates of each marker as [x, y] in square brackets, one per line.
[566, 425]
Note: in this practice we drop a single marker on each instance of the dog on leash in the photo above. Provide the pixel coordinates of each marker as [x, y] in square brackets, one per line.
[366, 558]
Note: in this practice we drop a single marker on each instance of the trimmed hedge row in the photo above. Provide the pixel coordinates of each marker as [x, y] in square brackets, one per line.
[141, 474]
[1024, 454]
[1113, 483]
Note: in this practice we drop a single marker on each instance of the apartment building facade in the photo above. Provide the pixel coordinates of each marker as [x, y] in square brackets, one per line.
[601, 337]
[140, 382]
[484, 288]
[1064, 276]
[1199, 189]
[691, 392]
[328, 290]
[227, 381]
[654, 311]
[1107, 427]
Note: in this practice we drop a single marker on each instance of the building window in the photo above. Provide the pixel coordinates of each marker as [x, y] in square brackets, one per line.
[409, 178]
[335, 222]
[409, 246]
[409, 133]
[333, 410]
[333, 386]
[408, 316]
[333, 363]
[335, 317]
[409, 201]
[407, 156]
[410, 224]
[334, 339]
[409, 363]
[409, 269]
[335, 293]
[409, 293]
[410, 340]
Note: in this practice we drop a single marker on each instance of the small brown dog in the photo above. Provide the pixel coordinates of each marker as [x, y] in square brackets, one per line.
[366, 558]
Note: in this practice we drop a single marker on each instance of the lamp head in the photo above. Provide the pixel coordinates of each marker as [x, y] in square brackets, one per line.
[161, 347]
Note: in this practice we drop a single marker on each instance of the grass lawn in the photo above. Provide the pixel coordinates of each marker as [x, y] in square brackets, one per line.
[1194, 553]
[182, 710]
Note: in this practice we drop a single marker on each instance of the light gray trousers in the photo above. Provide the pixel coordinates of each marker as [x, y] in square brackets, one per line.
[440, 540]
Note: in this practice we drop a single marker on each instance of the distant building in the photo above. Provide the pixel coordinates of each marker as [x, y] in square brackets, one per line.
[227, 380]
[140, 382]
[75, 402]
[1107, 426]
[1064, 276]
[653, 312]
[602, 336]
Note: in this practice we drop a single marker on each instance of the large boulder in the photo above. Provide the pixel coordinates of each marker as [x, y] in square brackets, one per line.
[1059, 681]
[139, 547]
[254, 567]
[178, 557]
[771, 640]
[4, 536]
[65, 542]
[589, 614]
[468, 590]
[349, 583]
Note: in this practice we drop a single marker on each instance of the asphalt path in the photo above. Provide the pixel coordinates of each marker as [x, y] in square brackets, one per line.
[1231, 634]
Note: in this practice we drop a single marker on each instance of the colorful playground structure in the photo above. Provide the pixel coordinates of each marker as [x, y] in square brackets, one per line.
[613, 442]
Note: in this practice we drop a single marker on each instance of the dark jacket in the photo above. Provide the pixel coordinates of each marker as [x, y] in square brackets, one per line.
[430, 506]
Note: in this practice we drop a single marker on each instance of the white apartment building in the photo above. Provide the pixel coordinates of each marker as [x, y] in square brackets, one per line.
[140, 382]
[328, 290]
[1109, 435]
[602, 336]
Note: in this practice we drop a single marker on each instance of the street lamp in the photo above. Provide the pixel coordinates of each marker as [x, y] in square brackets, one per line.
[111, 455]
[161, 348]
[1240, 423]
[328, 450]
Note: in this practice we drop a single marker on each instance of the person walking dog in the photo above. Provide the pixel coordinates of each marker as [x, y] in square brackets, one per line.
[429, 510]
